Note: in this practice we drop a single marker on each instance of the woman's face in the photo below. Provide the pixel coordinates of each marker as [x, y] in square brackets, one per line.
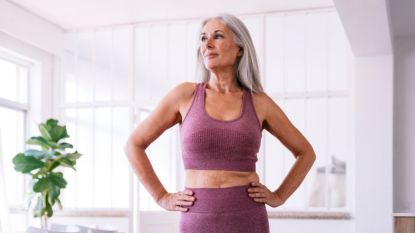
[217, 46]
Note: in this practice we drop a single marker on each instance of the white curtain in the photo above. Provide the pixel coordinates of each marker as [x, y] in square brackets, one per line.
[4, 208]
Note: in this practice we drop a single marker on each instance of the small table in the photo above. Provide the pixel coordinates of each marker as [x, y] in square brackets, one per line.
[404, 222]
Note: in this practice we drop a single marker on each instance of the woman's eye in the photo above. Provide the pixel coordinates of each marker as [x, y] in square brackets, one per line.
[218, 36]
[203, 38]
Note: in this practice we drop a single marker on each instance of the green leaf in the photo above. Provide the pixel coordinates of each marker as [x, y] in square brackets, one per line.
[54, 195]
[64, 145]
[48, 208]
[50, 183]
[26, 164]
[74, 156]
[42, 184]
[45, 132]
[66, 162]
[57, 179]
[55, 131]
[39, 141]
[59, 203]
[36, 153]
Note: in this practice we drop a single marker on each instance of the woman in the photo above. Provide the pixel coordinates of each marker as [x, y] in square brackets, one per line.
[221, 121]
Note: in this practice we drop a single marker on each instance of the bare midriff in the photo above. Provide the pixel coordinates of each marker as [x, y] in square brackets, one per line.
[218, 178]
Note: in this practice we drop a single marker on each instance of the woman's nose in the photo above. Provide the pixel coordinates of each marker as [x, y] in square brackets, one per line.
[209, 43]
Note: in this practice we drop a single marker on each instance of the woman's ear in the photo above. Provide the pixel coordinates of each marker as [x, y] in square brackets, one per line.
[240, 52]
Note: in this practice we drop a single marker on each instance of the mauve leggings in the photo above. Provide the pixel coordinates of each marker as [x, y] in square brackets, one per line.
[224, 210]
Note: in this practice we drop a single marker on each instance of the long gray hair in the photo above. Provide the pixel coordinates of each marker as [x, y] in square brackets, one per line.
[247, 66]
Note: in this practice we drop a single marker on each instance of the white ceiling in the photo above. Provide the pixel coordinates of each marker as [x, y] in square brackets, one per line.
[75, 14]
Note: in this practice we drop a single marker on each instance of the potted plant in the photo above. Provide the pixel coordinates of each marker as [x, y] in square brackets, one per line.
[44, 167]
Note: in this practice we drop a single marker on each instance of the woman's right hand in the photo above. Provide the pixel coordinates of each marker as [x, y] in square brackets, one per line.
[179, 201]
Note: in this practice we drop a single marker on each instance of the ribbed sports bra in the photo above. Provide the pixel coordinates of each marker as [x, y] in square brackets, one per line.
[212, 144]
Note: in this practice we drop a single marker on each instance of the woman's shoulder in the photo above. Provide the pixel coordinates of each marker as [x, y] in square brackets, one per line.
[185, 89]
[261, 98]
[263, 103]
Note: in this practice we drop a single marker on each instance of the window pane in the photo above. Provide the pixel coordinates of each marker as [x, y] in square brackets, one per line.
[121, 61]
[99, 134]
[317, 135]
[294, 108]
[12, 142]
[69, 69]
[274, 54]
[69, 193]
[176, 58]
[85, 66]
[294, 56]
[316, 52]
[84, 173]
[120, 171]
[8, 80]
[338, 149]
[103, 71]
[161, 157]
[102, 165]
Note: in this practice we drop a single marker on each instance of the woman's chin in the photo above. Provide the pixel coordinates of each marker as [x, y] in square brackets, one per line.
[211, 66]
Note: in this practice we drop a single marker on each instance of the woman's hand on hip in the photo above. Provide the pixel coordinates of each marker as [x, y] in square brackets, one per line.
[179, 201]
[260, 193]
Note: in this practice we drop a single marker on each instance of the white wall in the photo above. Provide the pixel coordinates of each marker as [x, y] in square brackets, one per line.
[373, 144]
[404, 125]
[30, 28]
[368, 30]
[32, 38]
[37, 39]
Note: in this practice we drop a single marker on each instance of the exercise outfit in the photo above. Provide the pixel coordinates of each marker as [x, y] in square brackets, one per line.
[212, 144]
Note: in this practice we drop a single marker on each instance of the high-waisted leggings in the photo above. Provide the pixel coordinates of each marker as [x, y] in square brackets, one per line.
[224, 210]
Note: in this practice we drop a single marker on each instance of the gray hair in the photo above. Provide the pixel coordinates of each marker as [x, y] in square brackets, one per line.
[247, 67]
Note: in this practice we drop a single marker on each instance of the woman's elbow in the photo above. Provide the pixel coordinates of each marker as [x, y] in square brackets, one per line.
[131, 147]
[311, 154]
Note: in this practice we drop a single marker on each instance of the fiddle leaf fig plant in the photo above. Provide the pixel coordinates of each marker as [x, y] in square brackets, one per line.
[43, 165]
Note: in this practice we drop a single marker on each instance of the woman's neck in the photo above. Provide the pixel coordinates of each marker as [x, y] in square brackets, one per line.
[223, 82]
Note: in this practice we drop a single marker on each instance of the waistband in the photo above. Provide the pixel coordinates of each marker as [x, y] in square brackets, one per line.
[220, 164]
[222, 200]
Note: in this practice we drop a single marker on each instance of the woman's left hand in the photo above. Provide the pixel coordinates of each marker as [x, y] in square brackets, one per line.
[260, 193]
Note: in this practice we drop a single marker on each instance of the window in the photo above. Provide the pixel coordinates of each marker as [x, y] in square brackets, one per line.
[96, 109]
[165, 56]
[307, 72]
[14, 78]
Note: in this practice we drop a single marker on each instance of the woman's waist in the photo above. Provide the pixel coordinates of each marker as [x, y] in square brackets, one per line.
[224, 200]
[218, 178]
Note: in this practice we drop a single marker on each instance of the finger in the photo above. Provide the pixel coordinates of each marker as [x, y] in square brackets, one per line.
[184, 203]
[188, 198]
[256, 190]
[261, 200]
[258, 195]
[182, 209]
[258, 184]
[187, 192]
[183, 197]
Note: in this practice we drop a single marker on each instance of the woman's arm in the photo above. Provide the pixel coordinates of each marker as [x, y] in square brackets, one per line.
[163, 117]
[277, 123]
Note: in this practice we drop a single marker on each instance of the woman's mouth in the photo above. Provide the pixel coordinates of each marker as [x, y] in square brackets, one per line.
[211, 55]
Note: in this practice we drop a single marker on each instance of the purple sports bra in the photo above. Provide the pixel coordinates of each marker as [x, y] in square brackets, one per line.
[211, 144]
